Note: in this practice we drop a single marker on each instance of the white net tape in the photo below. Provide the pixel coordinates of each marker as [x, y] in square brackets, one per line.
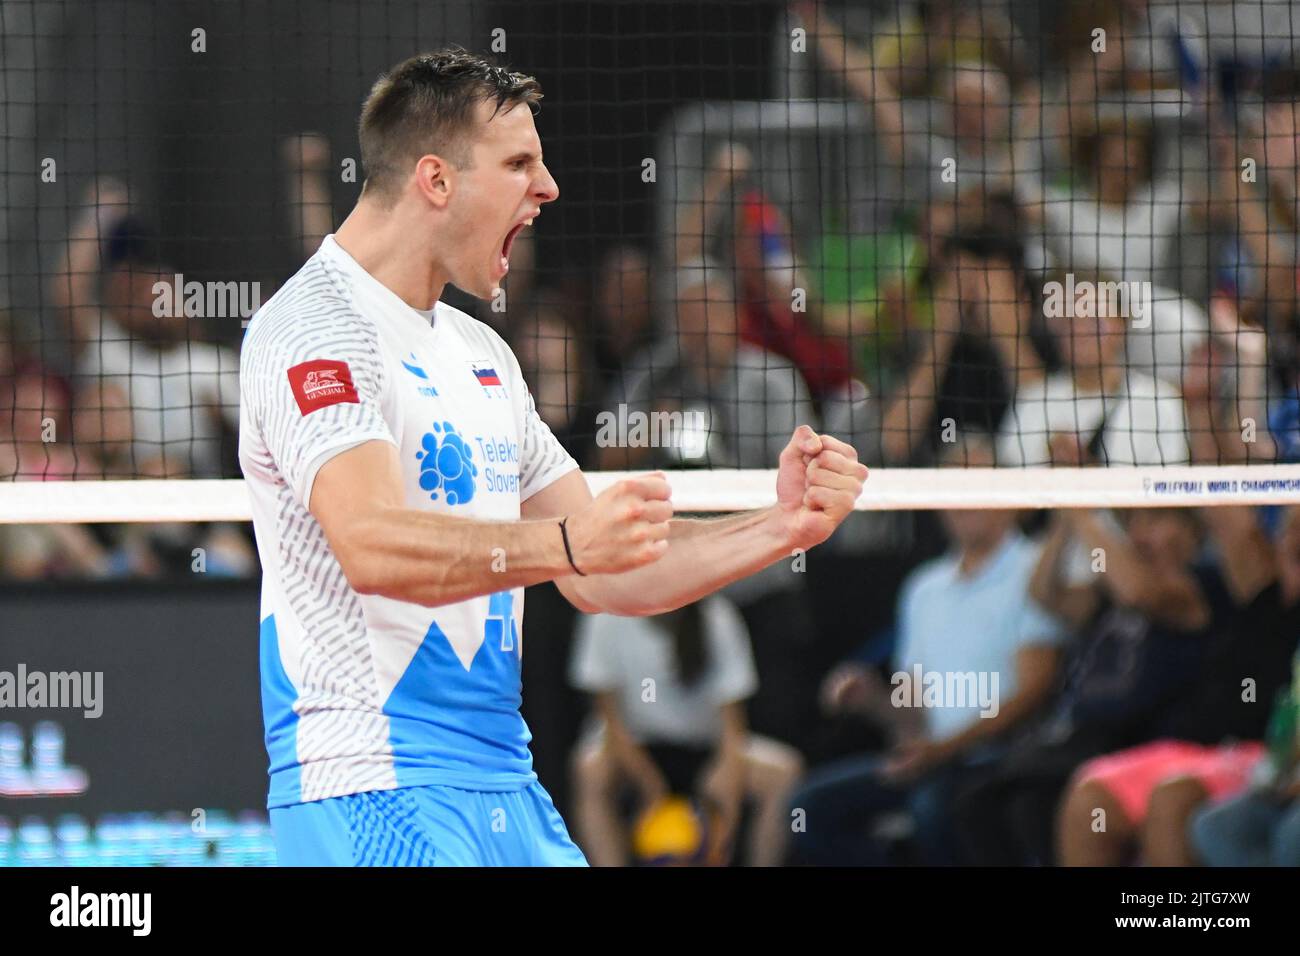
[900, 489]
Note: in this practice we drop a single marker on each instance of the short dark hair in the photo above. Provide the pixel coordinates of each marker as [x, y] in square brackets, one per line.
[426, 103]
[132, 242]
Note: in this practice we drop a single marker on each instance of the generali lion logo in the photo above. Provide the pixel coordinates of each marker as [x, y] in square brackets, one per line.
[322, 380]
[321, 383]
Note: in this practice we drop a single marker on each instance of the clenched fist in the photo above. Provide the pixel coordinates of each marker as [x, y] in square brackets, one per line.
[818, 480]
[625, 527]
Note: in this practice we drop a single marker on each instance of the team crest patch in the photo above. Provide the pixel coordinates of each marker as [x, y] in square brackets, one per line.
[320, 383]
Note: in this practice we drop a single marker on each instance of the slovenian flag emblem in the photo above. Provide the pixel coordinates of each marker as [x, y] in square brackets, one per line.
[487, 376]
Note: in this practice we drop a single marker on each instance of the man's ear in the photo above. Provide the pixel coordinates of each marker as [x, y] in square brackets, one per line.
[435, 178]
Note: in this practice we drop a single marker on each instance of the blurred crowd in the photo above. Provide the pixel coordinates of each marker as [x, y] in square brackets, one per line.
[1095, 263]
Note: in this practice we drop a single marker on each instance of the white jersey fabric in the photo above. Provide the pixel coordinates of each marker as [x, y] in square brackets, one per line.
[362, 692]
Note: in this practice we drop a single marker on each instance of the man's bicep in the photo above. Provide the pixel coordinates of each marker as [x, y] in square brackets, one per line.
[353, 480]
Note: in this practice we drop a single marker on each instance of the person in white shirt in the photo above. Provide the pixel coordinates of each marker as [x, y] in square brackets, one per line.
[183, 391]
[405, 491]
[683, 732]
[1098, 410]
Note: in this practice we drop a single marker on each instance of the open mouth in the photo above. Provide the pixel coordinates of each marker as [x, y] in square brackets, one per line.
[510, 241]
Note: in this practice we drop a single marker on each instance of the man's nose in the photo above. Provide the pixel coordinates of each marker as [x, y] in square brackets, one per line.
[548, 190]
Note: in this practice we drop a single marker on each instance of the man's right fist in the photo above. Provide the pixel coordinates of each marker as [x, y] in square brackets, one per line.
[625, 527]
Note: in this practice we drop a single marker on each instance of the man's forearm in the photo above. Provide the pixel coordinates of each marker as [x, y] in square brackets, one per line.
[703, 555]
[433, 559]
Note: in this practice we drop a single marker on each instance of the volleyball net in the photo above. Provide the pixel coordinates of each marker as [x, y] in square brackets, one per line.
[1018, 257]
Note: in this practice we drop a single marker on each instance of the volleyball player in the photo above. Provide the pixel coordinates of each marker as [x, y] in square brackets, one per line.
[404, 492]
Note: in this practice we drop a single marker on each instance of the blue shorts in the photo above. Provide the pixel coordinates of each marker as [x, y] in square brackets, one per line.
[426, 826]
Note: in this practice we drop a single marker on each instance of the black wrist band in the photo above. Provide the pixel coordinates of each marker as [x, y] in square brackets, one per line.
[564, 533]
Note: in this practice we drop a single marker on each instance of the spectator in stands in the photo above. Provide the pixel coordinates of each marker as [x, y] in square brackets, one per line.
[727, 404]
[966, 617]
[687, 734]
[1143, 613]
[975, 138]
[744, 398]
[101, 431]
[184, 393]
[102, 444]
[1257, 216]
[34, 413]
[1260, 277]
[982, 352]
[34, 446]
[1257, 828]
[621, 313]
[1121, 220]
[769, 276]
[306, 163]
[1225, 392]
[1214, 729]
[1097, 410]
[560, 375]
[915, 42]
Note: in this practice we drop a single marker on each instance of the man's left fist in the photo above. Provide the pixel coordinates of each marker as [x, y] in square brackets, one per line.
[818, 480]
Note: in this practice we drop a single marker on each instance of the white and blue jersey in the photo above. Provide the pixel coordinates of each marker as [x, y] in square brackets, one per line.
[363, 693]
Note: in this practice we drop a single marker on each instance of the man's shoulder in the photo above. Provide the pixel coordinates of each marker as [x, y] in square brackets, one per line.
[313, 303]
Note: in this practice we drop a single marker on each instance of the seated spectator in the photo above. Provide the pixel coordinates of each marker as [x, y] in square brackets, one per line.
[1253, 829]
[184, 393]
[1142, 626]
[1213, 731]
[684, 732]
[1096, 411]
[965, 617]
